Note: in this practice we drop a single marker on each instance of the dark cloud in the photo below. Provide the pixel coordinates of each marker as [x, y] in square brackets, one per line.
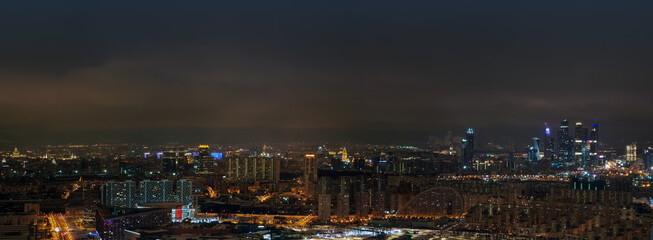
[156, 71]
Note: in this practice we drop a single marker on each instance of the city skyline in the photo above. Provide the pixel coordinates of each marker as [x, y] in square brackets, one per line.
[339, 119]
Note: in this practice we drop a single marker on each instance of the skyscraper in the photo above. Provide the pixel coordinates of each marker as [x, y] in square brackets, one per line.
[343, 197]
[565, 145]
[119, 194]
[204, 161]
[310, 174]
[534, 152]
[363, 194]
[594, 145]
[380, 201]
[549, 148]
[173, 160]
[184, 191]
[648, 159]
[580, 145]
[631, 153]
[324, 201]
[467, 149]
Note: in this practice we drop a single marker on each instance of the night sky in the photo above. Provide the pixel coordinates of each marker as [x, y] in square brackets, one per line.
[359, 71]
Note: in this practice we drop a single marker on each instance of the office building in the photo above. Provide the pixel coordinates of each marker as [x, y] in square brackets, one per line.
[631, 153]
[594, 145]
[204, 161]
[467, 149]
[533, 157]
[549, 148]
[173, 161]
[647, 159]
[565, 146]
[580, 144]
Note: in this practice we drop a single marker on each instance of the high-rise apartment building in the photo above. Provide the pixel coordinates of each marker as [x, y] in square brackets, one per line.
[156, 191]
[253, 169]
[549, 148]
[324, 201]
[125, 194]
[343, 197]
[119, 194]
[310, 174]
[185, 191]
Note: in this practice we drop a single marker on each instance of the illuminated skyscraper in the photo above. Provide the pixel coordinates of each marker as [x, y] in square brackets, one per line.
[581, 149]
[565, 145]
[204, 161]
[467, 149]
[594, 145]
[549, 148]
[534, 152]
[184, 191]
[631, 153]
[648, 159]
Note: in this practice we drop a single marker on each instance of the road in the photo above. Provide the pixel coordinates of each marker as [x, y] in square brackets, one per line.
[60, 228]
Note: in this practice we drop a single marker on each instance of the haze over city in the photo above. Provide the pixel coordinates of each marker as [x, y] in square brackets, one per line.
[156, 72]
[345, 120]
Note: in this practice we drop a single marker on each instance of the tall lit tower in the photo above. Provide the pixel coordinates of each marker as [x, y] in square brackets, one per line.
[594, 145]
[467, 149]
[580, 144]
[534, 152]
[204, 162]
[631, 153]
[549, 148]
[565, 145]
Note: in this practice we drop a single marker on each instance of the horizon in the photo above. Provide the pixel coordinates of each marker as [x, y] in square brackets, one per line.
[344, 71]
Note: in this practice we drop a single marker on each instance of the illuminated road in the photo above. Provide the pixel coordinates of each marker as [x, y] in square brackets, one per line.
[60, 229]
